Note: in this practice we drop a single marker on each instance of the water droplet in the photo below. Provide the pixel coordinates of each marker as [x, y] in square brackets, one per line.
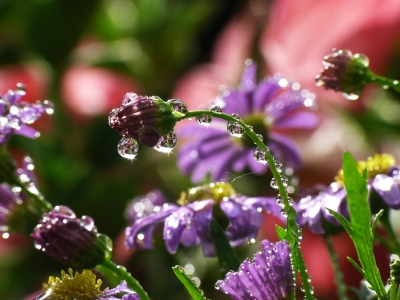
[204, 120]
[319, 81]
[351, 96]
[21, 88]
[65, 210]
[128, 148]
[260, 156]
[362, 59]
[178, 105]
[216, 109]
[274, 184]
[235, 116]
[278, 165]
[308, 278]
[112, 116]
[285, 180]
[283, 213]
[166, 143]
[385, 87]
[235, 129]
[216, 286]
[129, 98]
[87, 223]
[260, 137]
[49, 106]
[290, 200]
[279, 200]
[395, 82]
[250, 127]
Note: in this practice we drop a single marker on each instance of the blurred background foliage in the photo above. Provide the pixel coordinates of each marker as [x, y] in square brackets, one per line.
[85, 55]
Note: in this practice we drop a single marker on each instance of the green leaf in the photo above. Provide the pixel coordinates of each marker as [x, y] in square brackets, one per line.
[375, 222]
[355, 265]
[194, 292]
[280, 232]
[226, 257]
[342, 220]
[360, 216]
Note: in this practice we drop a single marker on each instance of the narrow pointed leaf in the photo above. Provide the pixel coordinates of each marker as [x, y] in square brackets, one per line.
[192, 289]
[342, 220]
[375, 222]
[355, 265]
[280, 232]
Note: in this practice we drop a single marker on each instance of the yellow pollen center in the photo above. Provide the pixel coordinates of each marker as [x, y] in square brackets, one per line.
[378, 164]
[216, 191]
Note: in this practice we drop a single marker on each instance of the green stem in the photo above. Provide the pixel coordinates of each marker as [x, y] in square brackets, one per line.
[292, 227]
[336, 268]
[123, 274]
[384, 82]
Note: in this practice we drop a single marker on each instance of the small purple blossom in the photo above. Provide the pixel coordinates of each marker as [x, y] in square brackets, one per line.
[69, 239]
[16, 115]
[273, 105]
[269, 276]
[312, 209]
[188, 224]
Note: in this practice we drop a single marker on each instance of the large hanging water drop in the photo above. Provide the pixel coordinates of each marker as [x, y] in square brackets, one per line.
[274, 184]
[178, 105]
[216, 109]
[128, 148]
[204, 120]
[235, 129]
[166, 143]
[278, 165]
[260, 156]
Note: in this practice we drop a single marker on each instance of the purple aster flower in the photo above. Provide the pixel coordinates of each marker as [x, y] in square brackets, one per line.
[273, 105]
[188, 223]
[312, 209]
[69, 239]
[82, 286]
[16, 115]
[268, 277]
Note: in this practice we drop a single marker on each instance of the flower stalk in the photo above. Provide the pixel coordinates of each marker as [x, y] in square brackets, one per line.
[292, 228]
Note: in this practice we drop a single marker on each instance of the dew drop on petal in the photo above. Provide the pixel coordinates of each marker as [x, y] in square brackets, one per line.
[166, 143]
[274, 183]
[112, 116]
[260, 156]
[351, 96]
[178, 105]
[204, 120]
[129, 98]
[128, 148]
[235, 129]
[216, 109]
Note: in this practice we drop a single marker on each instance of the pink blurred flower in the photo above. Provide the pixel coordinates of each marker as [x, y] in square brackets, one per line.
[89, 91]
[300, 33]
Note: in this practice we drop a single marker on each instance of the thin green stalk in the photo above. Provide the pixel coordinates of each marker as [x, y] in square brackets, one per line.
[336, 268]
[292, 227]
[384, 82]
[123, 274]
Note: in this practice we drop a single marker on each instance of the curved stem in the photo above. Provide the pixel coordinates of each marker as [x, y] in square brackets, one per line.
[384, 82]
[292, 227]
[123, 274]
[39, 200]
[336, 268]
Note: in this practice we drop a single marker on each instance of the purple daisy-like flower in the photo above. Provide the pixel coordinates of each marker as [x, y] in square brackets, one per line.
[69, 239]
[83, 286]
[312, 209]
[273, 105]
[269, 276]
[16, 115]
[189, 223]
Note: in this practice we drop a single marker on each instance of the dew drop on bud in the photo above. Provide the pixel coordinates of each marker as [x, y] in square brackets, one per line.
[166, 143]
[178, 105]
[112, 116]
[351, 96]
[128, 148]
[65, 210]
[285, 180]
[260, 137]
[204, 120]
[260, 156]
[278, 165]
[235, 129]
[362, 59]
[216, 109]
[129, 98]
[235, 116]
[274, 183]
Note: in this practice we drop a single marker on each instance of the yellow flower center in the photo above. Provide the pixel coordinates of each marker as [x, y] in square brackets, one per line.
[378, 164]
[81, 286]
[216, 191]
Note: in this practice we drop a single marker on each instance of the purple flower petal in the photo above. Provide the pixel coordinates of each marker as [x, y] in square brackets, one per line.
[285, 149]
[388, 189]
[299, 120]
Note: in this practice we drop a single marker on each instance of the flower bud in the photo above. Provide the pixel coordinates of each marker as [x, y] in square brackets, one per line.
[71, 240]
[144, 118]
